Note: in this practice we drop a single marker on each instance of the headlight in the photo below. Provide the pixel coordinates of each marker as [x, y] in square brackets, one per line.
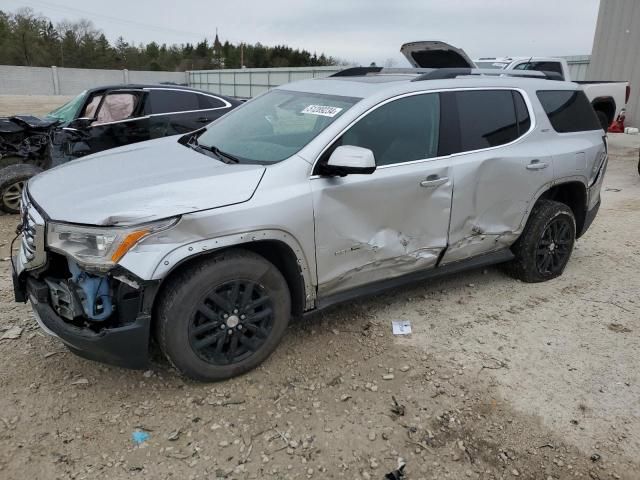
[99, 248]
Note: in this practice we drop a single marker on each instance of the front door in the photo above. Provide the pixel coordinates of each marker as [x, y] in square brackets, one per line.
[395, 221]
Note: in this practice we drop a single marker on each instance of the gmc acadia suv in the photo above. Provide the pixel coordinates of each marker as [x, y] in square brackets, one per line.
[311, 194]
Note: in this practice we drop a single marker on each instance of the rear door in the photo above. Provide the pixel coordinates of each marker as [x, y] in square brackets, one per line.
[394, 221]
[174, 111]
[496, 171]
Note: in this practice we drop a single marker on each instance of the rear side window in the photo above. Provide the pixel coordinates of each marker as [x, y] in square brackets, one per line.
[569, 110]
[488, 118]
[205, 102]
[168, 101]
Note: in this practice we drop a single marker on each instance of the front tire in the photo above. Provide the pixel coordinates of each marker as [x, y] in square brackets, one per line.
[545, 246]
[12, 180]
[223, 316]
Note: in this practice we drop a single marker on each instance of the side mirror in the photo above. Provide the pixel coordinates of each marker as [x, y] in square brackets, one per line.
[80, 149]
[348, 159]
[81, 123]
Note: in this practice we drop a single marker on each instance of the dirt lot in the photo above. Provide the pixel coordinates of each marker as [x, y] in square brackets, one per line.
[30, 104]
[498, 380]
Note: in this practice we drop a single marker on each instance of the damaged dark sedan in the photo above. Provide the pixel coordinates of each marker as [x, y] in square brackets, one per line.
[96, 120]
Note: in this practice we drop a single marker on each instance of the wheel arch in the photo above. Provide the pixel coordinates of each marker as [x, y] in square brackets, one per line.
[574, 195]
[289, 261]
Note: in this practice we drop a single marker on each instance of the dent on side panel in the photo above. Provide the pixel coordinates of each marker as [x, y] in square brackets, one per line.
[379, 227]
[493, 191]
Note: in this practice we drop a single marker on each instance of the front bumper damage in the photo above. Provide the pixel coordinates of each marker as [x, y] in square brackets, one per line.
[121, 340]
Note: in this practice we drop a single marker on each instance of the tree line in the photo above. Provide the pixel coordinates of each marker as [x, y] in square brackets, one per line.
[31, 39]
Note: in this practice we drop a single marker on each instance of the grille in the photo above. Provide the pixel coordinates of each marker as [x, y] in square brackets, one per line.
[32, 243]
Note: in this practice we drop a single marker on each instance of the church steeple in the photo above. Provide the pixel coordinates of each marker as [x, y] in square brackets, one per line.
[217, 46]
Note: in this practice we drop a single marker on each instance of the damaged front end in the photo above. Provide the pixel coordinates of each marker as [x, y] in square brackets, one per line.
[103, 317]
[24, 138]
[79, 293]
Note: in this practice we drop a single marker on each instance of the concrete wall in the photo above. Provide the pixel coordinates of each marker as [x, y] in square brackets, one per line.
[71, 81]
[249, 82]
[616, 49]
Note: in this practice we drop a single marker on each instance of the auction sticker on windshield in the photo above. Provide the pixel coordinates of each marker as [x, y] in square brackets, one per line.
[324, 110]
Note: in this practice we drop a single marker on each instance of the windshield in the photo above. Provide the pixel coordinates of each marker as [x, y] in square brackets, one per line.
[274, 126]
[69, 110]
[496, 65]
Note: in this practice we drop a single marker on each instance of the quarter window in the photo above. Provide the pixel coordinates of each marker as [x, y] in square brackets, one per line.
[206, 102]
[168, 101]
[569, 110]
[400, 131]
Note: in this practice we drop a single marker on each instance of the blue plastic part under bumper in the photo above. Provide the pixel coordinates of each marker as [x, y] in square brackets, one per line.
[124, 346]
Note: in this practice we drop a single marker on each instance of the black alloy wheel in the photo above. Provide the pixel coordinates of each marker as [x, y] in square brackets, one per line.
[231, 322]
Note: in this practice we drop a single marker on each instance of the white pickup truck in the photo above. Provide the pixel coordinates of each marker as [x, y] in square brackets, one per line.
[608, 98]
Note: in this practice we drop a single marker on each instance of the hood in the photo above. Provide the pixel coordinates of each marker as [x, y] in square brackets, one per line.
[140, 183]
[434, 54]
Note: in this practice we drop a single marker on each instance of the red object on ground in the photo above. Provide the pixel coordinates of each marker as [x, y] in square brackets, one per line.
[618, 124]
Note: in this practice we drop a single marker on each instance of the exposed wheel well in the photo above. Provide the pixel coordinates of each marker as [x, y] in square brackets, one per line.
[276, 252]
[574, 195]
[605, 105]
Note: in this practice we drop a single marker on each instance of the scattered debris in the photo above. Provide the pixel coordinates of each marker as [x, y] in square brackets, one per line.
[401, 327]
[148, 374]
[140, 436]
[397, 474]
[405, 368]
[345, 397]
[80, 381]
[175, 435]
[51, 354]
[612, 189]
[547, 445]
[388, 376]
[397, 408]
[595, 457]
[618, 328]
[12, 334]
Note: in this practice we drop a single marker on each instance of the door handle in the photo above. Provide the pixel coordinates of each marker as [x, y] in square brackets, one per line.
[433, 181]
[203, 120]
[537, 165]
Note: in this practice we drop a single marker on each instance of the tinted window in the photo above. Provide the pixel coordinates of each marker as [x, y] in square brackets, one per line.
[399, 131]
[569, 110]
[541, 67]
[166, 101]
[205, 101]
[487, 118]
[522, 114]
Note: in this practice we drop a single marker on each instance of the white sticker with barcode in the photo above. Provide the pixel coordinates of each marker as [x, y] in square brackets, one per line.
[324, 110]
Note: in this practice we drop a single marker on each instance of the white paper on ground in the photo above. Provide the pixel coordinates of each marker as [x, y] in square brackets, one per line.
[401, 327]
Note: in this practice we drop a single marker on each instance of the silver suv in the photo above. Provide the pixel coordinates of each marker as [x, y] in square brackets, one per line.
[311, 194]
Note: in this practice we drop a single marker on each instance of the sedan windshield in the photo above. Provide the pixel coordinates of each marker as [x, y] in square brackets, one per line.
[69, 110]
[274, 126]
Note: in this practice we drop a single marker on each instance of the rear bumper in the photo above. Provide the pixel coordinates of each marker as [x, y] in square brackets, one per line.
[588, 219]
[124, 346]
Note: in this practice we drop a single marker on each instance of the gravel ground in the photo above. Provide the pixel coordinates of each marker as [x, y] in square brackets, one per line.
[499, 379]
[30, 104]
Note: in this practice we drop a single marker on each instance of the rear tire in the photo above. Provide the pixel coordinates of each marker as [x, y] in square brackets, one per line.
[545, 246]
[223, 316]
[12, 181]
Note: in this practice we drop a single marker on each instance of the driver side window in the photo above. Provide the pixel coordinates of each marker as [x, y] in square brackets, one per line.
[400, 131]
[116, 107]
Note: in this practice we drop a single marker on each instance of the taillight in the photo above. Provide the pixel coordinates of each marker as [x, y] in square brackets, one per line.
[628, 94]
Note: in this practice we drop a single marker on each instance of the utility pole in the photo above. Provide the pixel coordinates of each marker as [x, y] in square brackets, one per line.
[242, 55]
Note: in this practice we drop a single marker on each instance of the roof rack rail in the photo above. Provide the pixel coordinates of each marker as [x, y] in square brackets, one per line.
[445, 73]
[356, 71]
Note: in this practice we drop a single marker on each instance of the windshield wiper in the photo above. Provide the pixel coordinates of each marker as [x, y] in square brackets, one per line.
[219, 154]
[230, 158]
